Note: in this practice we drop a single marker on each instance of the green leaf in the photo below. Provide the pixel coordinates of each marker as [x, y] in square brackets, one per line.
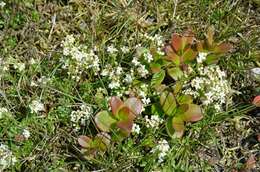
[184, 99]
[168, 103]
[175, 72]
[158, 78]
[172, 56]
[189, 55]
[104, 121]
[177, 87]
[169, 128]
[193, 113]
[115, 104]
[212, 58]
[178, 125]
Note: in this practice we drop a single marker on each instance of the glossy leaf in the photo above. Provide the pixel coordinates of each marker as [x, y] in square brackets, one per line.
[168, 103]
[85, 141]
[256, 101]
[115, 104]
[177, 87]
[193, 113]
[178, 125]
[135, 105]
[125, 114]
[169, 127]
[175, 72]
[184, 99]
[212, 58]
[158, 78]
[104, 121]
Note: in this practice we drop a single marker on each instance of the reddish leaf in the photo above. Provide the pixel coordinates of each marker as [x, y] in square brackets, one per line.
[155, 67]
[178, 125]
[135, 105]
[171, 55]
[193, 114]
[256, 101]
[189, 55]
[115, 104]
[84, 141]
[125, 126]
[188, 37]
[258, 137]
[104, 121]
[222, 48]
[200, 46]
[176, 42]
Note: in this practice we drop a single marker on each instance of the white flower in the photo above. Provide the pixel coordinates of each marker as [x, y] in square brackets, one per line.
[125, 49]
[202, 56]
[111, 49]
[2, 4]
[7, 158]
[154, 122]
[128, 79]
[136, 128]
[135, 61]
[114, 84]
[162, 148]
[146, 101]
[19, 66]
[26, 133]
[36, 106]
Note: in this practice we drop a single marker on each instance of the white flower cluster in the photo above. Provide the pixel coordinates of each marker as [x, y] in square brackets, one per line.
[81, 59]
[157, 39]
[2, 4]
[6, 157]
[154, 122]
[201, 57]
[36, 106]
[211, 86]
[143, 93]
[79, 117]
[163, 148]
[3, 112]
[140, 68]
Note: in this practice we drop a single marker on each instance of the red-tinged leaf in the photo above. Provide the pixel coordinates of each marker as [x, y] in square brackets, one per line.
[85, 141]
[189, 55]
[178, 125]
[193, 113]
[172, 56]
[135, 105]
[168, 103]
[188, 37]
[256, 101]
[158, 78]
[104, 121]
[210, 36]
[155, 67]
[222, 48]
[125, 114]
[251, 162]
[125, 126]
[115, 104]
[176, 42]
[175, 72]
[258, 137]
